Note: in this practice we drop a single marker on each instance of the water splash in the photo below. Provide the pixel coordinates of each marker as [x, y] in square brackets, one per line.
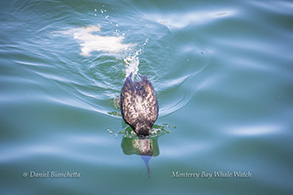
[131, 63]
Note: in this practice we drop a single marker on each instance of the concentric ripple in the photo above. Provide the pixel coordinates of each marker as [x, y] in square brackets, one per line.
[109, 51]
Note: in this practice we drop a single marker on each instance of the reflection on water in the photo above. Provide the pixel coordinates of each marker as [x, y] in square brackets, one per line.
[175, 22]
[146, 148]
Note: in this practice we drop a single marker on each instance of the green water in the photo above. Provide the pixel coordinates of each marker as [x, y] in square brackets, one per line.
[222, 72]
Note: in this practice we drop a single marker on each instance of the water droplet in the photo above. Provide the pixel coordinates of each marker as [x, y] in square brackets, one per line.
[110, 131]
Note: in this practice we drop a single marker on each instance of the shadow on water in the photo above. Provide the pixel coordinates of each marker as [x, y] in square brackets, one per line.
[146, 148]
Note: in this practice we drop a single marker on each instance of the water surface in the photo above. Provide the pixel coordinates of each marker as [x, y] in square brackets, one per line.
[222, 72]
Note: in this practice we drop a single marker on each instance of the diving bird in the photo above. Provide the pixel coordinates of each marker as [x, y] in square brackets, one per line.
[139, 105]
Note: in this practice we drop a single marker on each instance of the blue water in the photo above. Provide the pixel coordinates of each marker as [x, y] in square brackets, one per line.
[222, 72]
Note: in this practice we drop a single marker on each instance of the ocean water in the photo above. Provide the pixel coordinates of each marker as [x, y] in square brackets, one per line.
[222, 72]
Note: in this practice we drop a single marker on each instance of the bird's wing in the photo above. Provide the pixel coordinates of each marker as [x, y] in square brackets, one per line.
[127, 98]
[151, 109]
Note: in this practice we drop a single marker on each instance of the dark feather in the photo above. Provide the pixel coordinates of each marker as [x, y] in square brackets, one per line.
[139, 105]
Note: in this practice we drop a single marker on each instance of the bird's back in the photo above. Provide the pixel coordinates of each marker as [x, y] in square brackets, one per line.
[139, 105]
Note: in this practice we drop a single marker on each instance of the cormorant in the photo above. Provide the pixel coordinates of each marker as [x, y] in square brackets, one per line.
[139, 105]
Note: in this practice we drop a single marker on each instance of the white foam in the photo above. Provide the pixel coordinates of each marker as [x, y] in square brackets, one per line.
[90, 41]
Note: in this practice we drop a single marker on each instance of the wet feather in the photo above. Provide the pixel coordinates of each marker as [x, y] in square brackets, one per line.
[139, 105]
